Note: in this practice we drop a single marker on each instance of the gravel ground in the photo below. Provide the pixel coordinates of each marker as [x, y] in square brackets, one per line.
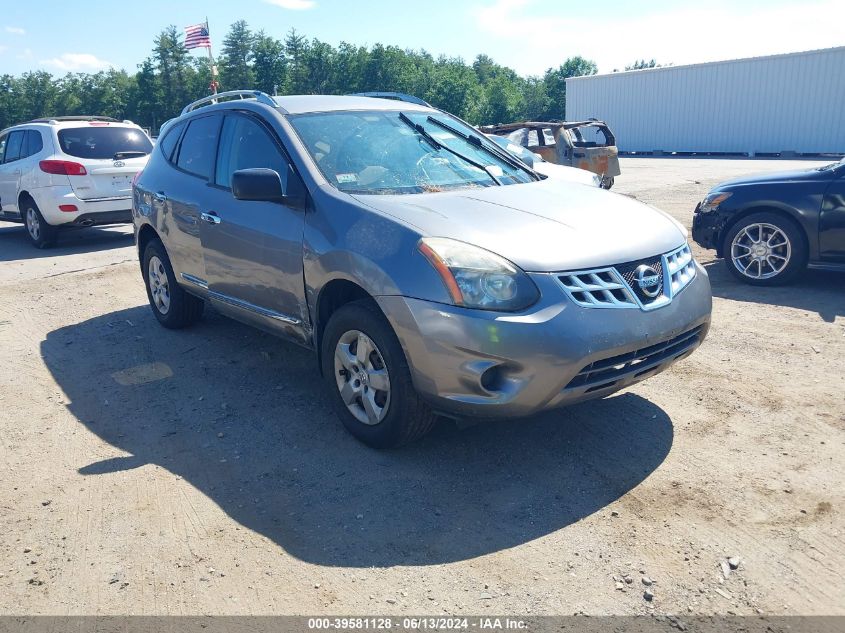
[202, 472]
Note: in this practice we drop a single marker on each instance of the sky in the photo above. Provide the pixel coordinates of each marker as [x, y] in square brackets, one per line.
[527, 35]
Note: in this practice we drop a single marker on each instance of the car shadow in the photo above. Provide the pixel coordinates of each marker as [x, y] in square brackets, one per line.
[16, 246]
[245, 418]
[815, 290]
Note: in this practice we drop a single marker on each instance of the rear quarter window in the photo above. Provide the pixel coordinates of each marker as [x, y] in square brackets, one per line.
[33, 143]
[104, 142]
[167, 143]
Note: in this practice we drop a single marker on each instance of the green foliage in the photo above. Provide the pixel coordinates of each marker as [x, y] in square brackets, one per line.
[641, 64]
[236, 68]
[171, 77]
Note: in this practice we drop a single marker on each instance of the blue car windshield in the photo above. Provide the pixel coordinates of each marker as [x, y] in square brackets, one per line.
[384, 152]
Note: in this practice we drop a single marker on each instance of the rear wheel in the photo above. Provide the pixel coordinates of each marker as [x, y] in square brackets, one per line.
[367, 372]
[173, 307]
[41, 234]
[607, 182]
[765, 249]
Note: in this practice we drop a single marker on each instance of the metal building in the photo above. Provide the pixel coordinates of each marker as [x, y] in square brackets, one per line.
[760, 105]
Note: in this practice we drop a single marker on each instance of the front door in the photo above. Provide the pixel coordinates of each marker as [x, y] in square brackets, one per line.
[253, 250]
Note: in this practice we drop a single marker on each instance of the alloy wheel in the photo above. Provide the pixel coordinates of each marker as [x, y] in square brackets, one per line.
[33, 225]
[761, 251]
[159, 285]
[362, 377]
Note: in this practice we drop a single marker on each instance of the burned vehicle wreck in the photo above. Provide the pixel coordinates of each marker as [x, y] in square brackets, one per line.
[588, 145]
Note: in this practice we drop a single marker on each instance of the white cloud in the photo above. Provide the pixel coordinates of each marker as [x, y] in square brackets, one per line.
[3, 48]
[15, 30]
[25, 54]
[682, 35]
[294, 5]
[77, 62]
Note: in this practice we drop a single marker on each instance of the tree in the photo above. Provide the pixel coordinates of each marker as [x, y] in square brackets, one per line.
[555, 81]
[296, 48]
[170, 78]
[173, 73]
[269, 63]
[504, 101]
[37, 94]
[236, 59]
[640, 64]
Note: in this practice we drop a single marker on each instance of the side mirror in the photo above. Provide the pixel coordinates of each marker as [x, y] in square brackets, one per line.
[265, 185]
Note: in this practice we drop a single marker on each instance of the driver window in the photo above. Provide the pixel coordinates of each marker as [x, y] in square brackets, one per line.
[244, 144]
[3, 146]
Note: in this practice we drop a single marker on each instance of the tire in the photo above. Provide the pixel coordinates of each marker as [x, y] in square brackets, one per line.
[404, 417]
[41, 234]
[768, 258]
[172, 306]
[607, 182]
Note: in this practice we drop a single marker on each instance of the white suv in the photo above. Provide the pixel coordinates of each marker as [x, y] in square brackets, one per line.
[69, 171]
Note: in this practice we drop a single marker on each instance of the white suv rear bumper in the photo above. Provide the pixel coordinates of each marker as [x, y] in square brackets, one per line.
[48, 200]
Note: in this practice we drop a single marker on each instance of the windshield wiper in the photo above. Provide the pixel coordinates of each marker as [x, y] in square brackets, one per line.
[494, 149]
[419, 129]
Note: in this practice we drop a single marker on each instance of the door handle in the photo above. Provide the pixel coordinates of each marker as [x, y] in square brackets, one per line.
[159, 196]
[211, 217]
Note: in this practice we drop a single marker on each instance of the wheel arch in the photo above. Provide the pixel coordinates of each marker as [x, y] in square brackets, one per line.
[24, 195]
[785, 212]
[335, 294]
[145, 235]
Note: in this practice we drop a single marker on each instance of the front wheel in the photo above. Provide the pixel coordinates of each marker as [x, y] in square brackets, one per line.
[765, 249]
[606, 182]
[41, 234]
[366, 370]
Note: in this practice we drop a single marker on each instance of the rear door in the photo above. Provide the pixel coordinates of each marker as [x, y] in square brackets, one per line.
[180, 191]
[112, 153]
[253, 250]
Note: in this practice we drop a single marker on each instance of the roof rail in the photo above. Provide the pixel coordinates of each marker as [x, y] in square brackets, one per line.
[80, 117]
[396, 96]
[262, 97]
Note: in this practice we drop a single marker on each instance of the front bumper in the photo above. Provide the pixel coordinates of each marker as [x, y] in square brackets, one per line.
[89, 212]
[484, 364]
[707, 227]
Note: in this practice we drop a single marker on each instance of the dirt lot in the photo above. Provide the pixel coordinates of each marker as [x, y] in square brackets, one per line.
[154, 472]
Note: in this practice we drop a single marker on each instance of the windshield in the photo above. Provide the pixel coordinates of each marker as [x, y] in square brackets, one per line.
[378, 152]
[523, 154]
[104, 142]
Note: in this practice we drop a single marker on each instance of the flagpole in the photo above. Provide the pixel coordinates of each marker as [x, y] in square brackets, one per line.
[211, 61]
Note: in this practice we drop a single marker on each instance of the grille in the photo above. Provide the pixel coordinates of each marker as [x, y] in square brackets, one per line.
[606, 372]
[617, 287]
[681, 268]
[629, 274]
[597, 288]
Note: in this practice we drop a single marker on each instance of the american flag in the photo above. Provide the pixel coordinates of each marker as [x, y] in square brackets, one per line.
[197, 36]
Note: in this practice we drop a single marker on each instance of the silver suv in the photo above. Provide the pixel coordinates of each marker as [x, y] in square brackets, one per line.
[429, 270]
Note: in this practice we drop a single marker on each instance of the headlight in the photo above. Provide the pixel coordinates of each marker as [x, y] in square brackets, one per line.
[476, 278]
[713, 200]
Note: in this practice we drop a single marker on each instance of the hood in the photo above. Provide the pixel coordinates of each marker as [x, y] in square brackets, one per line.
[796, 175]
[543, 226]
[569, 174]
